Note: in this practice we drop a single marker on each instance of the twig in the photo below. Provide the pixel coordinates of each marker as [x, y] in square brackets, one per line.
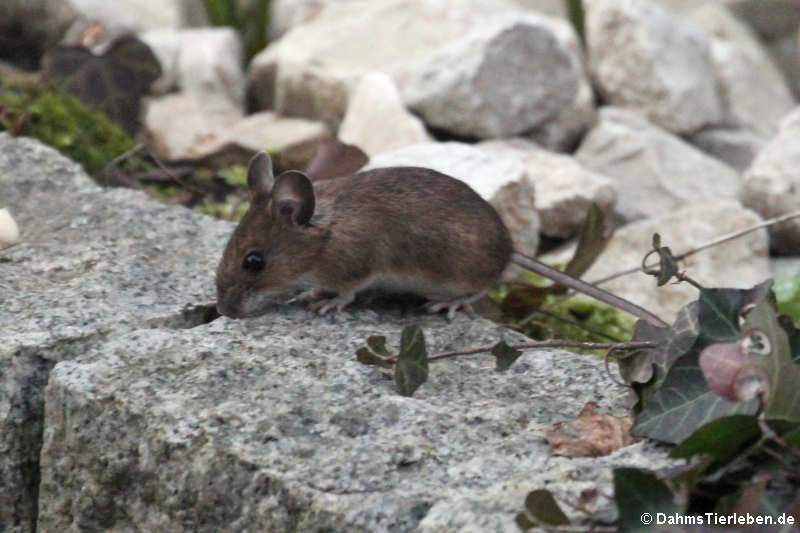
[715, 242]
[551, 344]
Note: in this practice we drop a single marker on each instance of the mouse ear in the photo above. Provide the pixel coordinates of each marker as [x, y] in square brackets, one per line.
[293, 198]
[259, 174]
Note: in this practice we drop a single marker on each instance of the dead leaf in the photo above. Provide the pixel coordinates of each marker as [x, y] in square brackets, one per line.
[591, 434]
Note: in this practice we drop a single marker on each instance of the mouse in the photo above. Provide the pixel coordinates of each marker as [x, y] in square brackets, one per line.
[398, 229]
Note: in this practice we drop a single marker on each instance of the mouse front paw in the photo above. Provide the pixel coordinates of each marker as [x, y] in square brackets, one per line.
[338, 303]
[453, 306]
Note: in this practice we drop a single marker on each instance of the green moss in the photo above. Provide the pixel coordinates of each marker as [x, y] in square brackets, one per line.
[584, 320]
[230, 209]
[787, 292]
[54, 117]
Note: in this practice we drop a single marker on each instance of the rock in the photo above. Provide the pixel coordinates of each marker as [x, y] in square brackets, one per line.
[735, 147]
[786, 51]
[205, 61]
[96, 263]
[626, 40]
[502, 79]
[564, 189]
[654, 172]
[771, 183]
[564, 132]
[9, 231]
[140, 15]
[126, 410]
[754, 94]
[310, 71]
[739, 263]
[772, 19]
[376, 119]
[503, 183]
[220, 132]
[30, 27]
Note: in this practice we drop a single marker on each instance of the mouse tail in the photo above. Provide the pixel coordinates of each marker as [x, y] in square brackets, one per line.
[562, 278]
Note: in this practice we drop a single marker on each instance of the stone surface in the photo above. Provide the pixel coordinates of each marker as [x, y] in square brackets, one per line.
[503, 183]
[626, 41]
[205, 61]
[504, 78]
[772, 183]
[564, 132]
[140, 15]
[564, 189]
[786, 53]
[217, 131]
[140, 415]
[311, 70]
[654, 171]
[29, 27]
[377, 120]
[740, 263]
[90, 264]
[734, 147]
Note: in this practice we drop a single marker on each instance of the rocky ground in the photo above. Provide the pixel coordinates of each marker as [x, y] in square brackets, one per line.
[124, 406]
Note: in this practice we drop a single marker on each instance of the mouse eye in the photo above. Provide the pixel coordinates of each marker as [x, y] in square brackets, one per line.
[254, 262]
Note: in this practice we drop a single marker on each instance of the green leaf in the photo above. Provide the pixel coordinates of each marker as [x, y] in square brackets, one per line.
[542, 506]
[368, 357]
[505, 356]
[591, 243]
[637, 494]
[411, 369]
[377, 343]
[683, 402]
[722, 438]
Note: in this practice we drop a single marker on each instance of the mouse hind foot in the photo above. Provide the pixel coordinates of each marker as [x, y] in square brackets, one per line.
[462, 303]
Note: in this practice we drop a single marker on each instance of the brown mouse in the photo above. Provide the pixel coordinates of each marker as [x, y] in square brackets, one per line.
[405, 229]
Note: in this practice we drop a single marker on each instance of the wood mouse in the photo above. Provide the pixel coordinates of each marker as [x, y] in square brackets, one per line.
[403, 229]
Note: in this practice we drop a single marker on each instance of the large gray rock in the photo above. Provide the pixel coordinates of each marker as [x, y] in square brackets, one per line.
[502, 182]
[90, 264]
[564, 189]
[739, 263]
[506, 71]
[772, 182]
[155, 420]
[734, 147]
[654, 172]
[205, 61]
[627, 42]
[504, 78]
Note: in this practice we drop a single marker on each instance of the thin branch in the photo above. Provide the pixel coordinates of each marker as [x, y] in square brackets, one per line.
[715, 242]
[551, 344]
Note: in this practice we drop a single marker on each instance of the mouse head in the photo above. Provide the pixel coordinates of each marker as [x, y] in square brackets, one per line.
[275, 243]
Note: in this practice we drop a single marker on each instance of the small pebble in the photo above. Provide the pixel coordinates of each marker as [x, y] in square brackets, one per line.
[9, 232]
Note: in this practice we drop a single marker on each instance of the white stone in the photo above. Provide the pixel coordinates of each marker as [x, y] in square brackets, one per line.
[9, 231]
[376, 120]
[644, 58]
[740, 263]
[734, 147]
[503, 183]
[140, 15]
[564, 189]
[205, 61]
[654, 171]
[504, 78]
[772, 183]
[220, 131]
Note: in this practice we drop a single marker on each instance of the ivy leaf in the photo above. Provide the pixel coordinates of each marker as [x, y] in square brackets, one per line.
[722, 438]
[505, 356]
[541, 506]
[684, 402]
[114, 81]
[377, 343]
[639, 494]
[411, 370]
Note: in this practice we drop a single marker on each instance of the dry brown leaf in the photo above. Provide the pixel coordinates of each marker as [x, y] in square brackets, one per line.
[591, 434]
